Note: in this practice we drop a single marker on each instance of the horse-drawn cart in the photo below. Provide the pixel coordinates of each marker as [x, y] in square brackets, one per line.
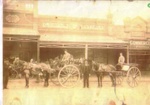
[116, 73]
[69, 75]
[132, 73]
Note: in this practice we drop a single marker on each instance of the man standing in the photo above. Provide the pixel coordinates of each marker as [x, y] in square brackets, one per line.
[46, 75]
[46, 72]
[27, 73]
[17, 66]
[6, 71]
[86, 73]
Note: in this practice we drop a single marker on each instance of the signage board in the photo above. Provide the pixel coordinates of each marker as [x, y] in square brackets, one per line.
[73, 25]
[17, 19]
[140, 43]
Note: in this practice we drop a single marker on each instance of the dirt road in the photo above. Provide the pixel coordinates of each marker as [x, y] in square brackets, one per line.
[36, 94]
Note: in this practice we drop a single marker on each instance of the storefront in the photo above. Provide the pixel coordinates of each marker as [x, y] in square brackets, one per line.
[104, 49]
[20, 35]
[140, 53]
[20, 42]
[83, 37]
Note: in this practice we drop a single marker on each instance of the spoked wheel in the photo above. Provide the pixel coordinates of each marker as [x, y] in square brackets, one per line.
[118, 75]
[69, 76]
[54, 77]
[13, 74]
[133, 76]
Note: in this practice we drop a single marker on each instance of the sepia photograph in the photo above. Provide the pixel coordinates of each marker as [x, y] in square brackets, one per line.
[75, 52]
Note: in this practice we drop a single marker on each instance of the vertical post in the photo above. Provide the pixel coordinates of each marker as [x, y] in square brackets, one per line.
[127, 54]
[86, 51]
[35, 26]
[38, 51]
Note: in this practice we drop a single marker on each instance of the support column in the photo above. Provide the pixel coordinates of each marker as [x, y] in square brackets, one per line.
[35, 26]
[128, 55]
[86, 51]
[38, 52]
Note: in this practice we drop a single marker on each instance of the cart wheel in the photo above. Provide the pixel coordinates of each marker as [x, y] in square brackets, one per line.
[118, 75]
[13, 74]
[133, 76]
[68, 76]
[54, 77]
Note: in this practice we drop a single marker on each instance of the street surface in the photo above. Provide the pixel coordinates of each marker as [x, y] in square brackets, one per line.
[37, 94]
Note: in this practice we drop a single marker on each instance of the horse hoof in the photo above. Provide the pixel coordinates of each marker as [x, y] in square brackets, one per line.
[26, 86]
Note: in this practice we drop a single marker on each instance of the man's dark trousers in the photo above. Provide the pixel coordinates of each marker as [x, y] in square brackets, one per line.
[86, 76]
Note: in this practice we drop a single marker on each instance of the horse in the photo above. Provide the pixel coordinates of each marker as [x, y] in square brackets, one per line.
[100, 69]
[40, 69]
[46, 70]
[18, 66]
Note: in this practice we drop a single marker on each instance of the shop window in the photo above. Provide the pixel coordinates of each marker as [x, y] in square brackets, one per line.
[141, 58]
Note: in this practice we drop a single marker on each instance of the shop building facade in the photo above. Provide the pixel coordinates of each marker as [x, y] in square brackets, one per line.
[75, 34]
[29, 35]
[20, 37]
[136, 32]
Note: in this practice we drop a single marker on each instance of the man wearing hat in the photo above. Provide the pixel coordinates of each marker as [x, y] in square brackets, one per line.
[6, 71]
[86, 73]
[27, 73]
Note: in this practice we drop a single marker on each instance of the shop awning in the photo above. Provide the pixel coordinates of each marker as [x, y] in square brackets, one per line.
[79, 41]
[20, 34]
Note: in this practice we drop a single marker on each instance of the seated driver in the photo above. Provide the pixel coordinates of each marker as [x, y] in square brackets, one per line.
[66, 57]
[121, 61]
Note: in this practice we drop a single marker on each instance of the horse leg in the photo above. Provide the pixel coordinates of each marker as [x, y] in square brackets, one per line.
[98, 77]
[37, 75]
[38, 78]
[47, 78]
[101, 78]
[44, 82]
[44, 79]
[112, 79]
